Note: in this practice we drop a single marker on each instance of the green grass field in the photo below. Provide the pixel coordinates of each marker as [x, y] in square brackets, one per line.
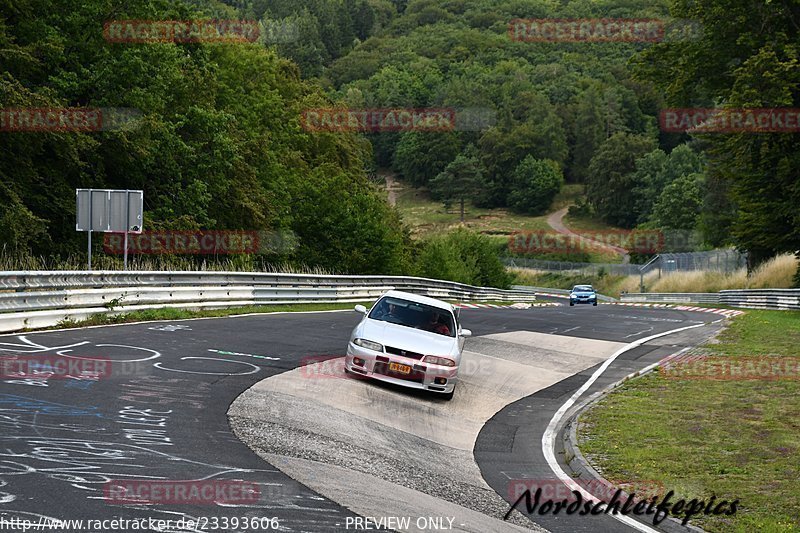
[426, 216]
[581, 223]
[730, 439]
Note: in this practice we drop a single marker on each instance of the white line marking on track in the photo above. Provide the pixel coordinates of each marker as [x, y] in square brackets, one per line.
[549, 437]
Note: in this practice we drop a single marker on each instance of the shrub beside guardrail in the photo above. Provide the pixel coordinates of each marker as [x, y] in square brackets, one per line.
[43, 299]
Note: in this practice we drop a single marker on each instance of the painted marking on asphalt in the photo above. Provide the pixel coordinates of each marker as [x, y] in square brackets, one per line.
[253, 370]
[222, 352]
[171, 327]
[639, 332]
[549, 437]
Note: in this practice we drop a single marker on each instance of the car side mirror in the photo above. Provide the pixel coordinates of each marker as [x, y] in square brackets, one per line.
[361, 309]
[465, 333]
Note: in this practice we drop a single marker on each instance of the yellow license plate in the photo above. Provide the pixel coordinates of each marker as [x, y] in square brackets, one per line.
[397, 367]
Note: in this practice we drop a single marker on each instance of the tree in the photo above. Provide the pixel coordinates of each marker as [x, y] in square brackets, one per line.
[612, 180]
[461, 180]
[656, 170]
[534, 185]
[589, 132]
[463, 256]
[718, 212]
[218, 144]
[421, 156]
[302, 42]
[648, 178]
[678, 206]
[746, 57]
[503, 148]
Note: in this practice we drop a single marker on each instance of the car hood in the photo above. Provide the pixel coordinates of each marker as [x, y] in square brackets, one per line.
[411, 339]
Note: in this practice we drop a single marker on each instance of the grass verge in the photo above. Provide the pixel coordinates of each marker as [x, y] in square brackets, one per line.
[170, 313]
[702, 438]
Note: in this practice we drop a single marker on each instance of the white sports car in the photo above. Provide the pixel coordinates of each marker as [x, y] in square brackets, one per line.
[409, 340]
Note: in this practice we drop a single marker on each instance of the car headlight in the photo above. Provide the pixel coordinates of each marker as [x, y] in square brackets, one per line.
[435, 360]
[572, 295]
[369, 345]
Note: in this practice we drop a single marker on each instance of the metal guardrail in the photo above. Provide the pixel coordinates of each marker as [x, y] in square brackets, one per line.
[744, 298]
[43, 299]
[672, 297]
[762, 298]
[665, 263]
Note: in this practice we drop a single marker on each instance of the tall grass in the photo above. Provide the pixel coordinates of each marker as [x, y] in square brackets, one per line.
[234, 263]
[777, 273]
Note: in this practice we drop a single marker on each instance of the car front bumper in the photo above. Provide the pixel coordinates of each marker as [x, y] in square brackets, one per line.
[423, 376]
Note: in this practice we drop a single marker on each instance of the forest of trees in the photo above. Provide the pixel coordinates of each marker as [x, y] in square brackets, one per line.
[220, 144]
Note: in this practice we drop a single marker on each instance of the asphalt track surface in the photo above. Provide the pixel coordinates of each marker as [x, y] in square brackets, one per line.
[161, 412]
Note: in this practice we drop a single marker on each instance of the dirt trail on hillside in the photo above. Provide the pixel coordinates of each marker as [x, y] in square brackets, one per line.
[392, 188]
[556, 221]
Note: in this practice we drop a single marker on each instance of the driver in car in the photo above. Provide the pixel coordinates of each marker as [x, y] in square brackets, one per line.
[388, 310]
[436, 325]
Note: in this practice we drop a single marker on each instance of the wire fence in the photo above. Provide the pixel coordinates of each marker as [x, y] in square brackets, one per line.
[727, 261]
[715, 261]
[572, 267]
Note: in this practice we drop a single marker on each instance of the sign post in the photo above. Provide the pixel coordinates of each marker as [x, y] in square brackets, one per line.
[109, 211]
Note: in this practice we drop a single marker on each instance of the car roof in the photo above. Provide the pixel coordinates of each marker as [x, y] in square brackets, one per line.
[419, 299]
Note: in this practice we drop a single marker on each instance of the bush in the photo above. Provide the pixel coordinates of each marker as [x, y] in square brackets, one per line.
[464, 257]
[582, 208]
[534, 184]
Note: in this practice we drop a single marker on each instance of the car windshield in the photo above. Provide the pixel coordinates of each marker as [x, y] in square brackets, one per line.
[583, 288]
[414, 315]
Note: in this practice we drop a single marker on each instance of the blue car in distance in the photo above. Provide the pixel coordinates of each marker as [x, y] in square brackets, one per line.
[583, 294]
